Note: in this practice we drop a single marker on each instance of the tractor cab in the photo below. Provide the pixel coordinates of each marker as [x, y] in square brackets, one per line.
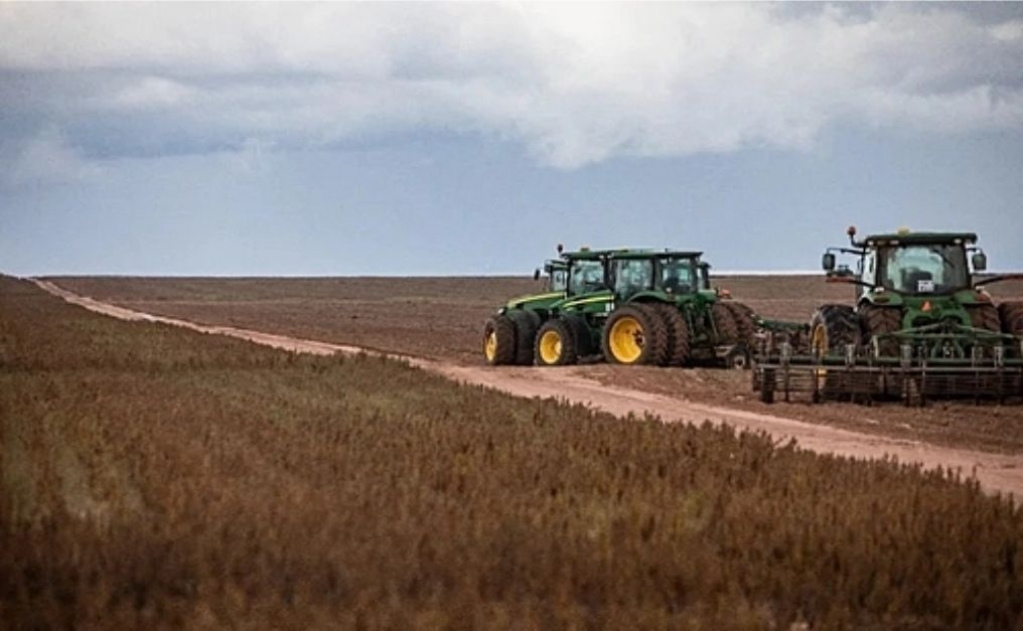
[918, 264]
[910, 265]
[666, 272]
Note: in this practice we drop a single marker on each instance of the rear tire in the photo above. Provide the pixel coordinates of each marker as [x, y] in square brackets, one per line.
[745, 322]
[878, 321]
[985, 317]
[499, 341]
[556, 343]
[724, 324]
[1011, 316]
[634, 335]
[678, 334]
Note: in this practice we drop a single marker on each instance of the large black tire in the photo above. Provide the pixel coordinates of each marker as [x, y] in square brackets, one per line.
[584, 343]
[724, 324]
[878, 321]
[635, 334]
[499, 341]
[832, 328]
[1011, 316]
[526, 325]
[678, 334]
[985, 317]
[745, 322]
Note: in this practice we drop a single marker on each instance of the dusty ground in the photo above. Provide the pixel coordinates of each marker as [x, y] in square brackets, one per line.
[441, 319]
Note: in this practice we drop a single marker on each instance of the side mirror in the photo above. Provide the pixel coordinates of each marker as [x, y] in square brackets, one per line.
[536, 274]
[828, 261]
[979, 261]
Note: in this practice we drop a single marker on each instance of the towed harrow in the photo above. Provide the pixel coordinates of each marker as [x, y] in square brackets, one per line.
[929, 365]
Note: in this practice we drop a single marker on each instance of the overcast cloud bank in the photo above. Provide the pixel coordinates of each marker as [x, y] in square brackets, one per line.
[574, 84]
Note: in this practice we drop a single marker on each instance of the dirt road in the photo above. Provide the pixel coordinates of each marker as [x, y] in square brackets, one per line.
[995, 472]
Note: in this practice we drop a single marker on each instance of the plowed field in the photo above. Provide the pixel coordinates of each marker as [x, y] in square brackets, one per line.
[442, 318]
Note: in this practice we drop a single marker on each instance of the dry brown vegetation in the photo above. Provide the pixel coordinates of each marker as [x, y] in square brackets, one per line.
[442, 318]
[153, 477]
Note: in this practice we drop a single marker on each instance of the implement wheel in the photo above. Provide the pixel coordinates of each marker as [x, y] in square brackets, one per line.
[635, 334]
[556, 344]
[879, 321]
[499, 341]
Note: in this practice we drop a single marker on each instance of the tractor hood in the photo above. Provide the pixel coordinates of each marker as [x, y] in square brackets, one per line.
[534, 301]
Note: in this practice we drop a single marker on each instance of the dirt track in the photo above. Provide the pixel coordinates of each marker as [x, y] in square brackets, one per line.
[995, 472]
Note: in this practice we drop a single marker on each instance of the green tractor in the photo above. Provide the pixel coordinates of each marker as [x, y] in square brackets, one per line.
[632, 307]
[919, 326]
[509, 336]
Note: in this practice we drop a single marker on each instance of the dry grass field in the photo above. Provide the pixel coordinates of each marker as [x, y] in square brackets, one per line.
[442, 318]
[157, 478]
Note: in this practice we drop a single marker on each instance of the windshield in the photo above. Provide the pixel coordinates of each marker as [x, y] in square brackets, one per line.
[677, 276]
[633, 275]
[586, 276]
[923, 269]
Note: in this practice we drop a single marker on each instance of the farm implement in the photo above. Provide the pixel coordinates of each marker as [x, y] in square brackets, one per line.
[628, 306]
[922, 328]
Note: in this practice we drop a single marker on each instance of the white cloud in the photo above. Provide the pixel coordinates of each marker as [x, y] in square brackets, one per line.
[575, 83]
[153, 92]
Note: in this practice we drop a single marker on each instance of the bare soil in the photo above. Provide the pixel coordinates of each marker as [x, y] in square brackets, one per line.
[950, 435]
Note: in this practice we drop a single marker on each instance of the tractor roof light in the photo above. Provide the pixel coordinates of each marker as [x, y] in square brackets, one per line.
[851, 231]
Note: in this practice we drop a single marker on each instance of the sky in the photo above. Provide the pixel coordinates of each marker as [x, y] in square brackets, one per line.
[418, 139]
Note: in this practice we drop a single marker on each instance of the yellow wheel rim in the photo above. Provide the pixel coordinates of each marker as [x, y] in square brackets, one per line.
[550, 347]
[819, 348]
[490, 346]
[819, 340]
[626, 339]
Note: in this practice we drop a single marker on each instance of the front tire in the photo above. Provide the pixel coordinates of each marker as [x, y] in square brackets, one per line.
[833, 327]
[526, 325]
[556, 344]
[499, 341]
